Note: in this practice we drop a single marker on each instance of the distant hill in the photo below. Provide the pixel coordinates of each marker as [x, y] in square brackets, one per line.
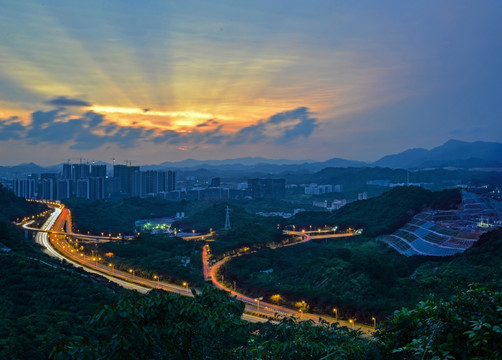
[246, 161]
[453, 153]
[21, 169]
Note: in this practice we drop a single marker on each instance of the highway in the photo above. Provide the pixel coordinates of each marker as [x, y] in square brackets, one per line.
[265, 308]
[60, 249]
[128, 280]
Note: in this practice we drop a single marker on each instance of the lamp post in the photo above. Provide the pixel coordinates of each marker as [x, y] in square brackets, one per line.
[132, 272]
[335, 310]
[374, 322]
[301, 313]
[155, 277]
[352, 322]
[113, 268]
[258, 301]
[185, 284]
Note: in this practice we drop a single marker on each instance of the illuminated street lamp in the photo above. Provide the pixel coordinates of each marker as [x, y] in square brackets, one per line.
[301, 313]
[258, 301]
[132, 272]
[185, 284]
[155, 277]
[374, 322]
[113, 268]
[193, 232]
[352, 322]
[335, 310]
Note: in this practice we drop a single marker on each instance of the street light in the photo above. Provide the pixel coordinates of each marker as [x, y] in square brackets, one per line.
[193, 232]
[185, 284]
[335, 310]
[301, 313]
[132, 272]
[258, 301]
[374, 322]
[155, 277]
[352, 322]
[113, 268]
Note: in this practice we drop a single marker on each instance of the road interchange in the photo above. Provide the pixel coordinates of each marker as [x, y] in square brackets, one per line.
[256, 309]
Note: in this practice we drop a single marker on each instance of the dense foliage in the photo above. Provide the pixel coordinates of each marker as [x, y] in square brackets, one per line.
[469, 326]
[119, 215]
[13, 207]
[362, 277]
[214, 217]
[385, 213]
[170, 258]
[42, 301]
[251, 235]
[159, 325]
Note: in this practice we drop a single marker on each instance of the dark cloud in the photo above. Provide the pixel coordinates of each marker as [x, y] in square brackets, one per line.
[91, 130]
[249, 134]
[289, 124]
[11, 128]
[209, 122]
[64, 101]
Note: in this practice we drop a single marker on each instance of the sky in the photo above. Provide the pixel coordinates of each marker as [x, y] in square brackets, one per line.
[158, 80]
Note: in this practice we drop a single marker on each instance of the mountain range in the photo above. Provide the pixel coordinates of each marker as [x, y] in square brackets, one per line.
[452, 154]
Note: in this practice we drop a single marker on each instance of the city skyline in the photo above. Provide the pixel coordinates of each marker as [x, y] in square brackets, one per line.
[168, 81]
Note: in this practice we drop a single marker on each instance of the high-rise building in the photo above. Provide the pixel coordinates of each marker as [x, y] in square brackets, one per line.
[214, 182]
[96, 188]
[83, 188]
[79, 171]
[155, 181]
[66, 171]
[48, 186]
[267, 188]
[63, 189]
[171, 180]
[26, 188]
[125, 174]
[98, 171]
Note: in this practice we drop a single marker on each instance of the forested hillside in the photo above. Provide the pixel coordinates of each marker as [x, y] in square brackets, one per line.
[42, 301]
[383, 214]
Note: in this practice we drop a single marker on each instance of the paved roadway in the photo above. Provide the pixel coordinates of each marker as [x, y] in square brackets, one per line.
[125, 279]
[129, 280]
[268, 309]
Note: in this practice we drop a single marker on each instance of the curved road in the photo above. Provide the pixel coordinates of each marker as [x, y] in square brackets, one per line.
[125, 279]
[271, 309]
[130, 281]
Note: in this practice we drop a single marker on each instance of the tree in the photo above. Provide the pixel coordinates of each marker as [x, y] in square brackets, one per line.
[293, 339]
[160, 325]
[467, 327]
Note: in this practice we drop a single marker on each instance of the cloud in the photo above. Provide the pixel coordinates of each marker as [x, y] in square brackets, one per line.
[92, 130]
[209, 122]
[11, 128]
[282, 128]
[64, 101]
[88, 131]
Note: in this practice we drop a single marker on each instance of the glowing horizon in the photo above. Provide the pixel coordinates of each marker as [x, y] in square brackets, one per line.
[157, 73]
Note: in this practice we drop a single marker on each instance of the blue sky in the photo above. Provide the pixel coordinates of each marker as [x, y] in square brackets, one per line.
[158, 81]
